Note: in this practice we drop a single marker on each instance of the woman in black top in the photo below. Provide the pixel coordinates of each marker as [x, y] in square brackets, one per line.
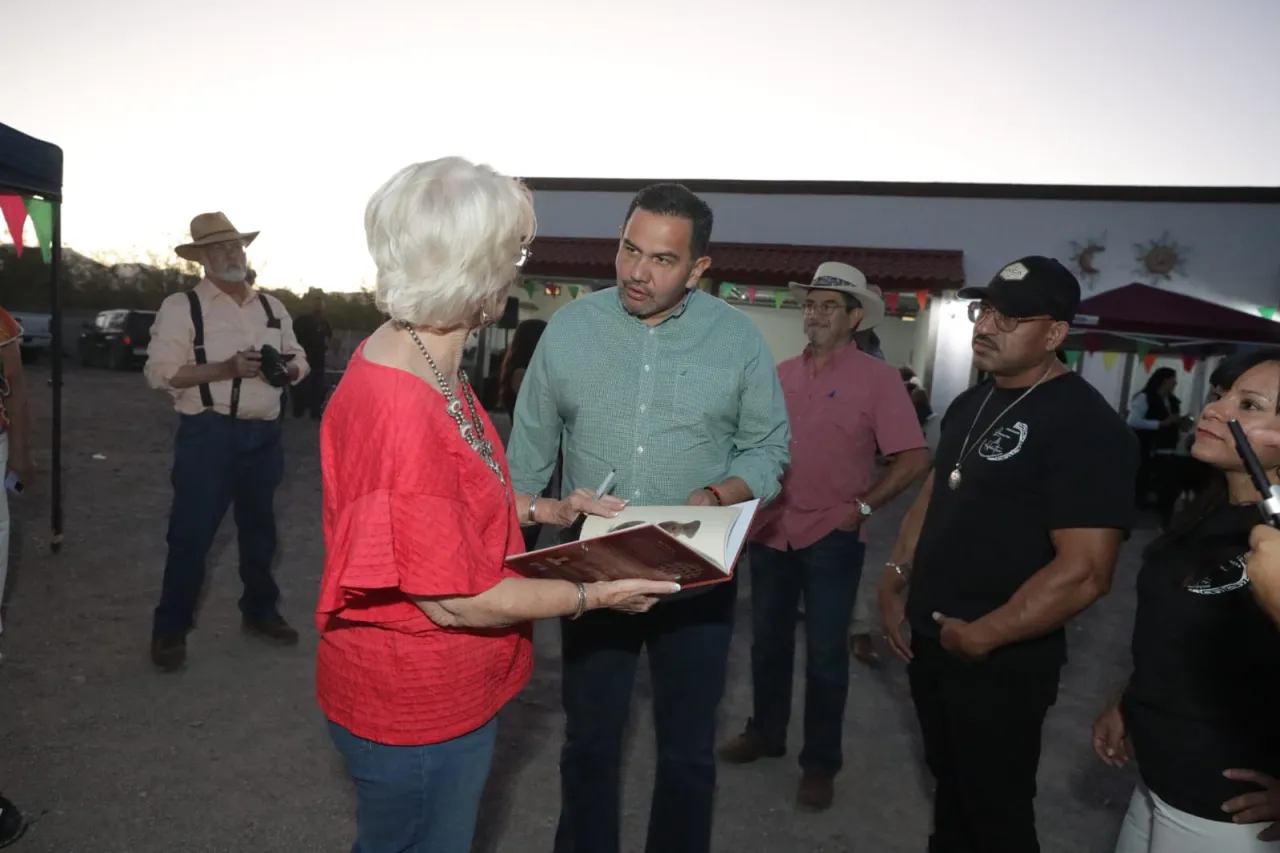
[1155, 413]
[514, 364]
[516, 361]
[1201, 712]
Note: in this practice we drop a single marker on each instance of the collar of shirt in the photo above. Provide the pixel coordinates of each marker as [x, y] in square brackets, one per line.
[838, 359]
[209, 291]
[679, 310]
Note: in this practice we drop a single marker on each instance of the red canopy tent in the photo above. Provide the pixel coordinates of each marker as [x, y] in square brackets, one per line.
[1163, 319]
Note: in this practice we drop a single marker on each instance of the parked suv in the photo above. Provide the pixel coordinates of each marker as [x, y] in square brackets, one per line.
[116, 339]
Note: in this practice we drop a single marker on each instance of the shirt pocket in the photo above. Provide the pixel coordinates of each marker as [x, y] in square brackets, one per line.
[704, 394]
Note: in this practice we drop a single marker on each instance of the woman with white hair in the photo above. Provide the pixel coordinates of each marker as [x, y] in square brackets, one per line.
[424, 633]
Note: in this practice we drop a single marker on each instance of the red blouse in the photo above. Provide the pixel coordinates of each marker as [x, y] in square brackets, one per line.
[410, 510]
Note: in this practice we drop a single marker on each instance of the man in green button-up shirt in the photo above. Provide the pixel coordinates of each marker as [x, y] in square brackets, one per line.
[678, 392]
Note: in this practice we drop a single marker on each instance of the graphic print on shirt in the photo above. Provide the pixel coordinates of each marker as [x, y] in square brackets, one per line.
[1004, 443]
[1228, 577]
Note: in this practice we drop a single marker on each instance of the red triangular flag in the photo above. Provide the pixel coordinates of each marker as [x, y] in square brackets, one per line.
[15, 217]
[1149, 361]
[891, 302]
[1092, 342]
[1188, 362]
[751, 294]
[922, 299]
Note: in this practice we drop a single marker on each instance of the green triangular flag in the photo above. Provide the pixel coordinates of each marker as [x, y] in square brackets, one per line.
[779, 298]
[1073, 358]
[1142, 349]
[41, 213]
[1267, 311]
[573, 291]
[725, 290]
[528, 288]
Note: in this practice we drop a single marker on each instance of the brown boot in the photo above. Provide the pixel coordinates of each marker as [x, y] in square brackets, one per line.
[274, 630]
[746, 748]
[169, 653]
[815, 792]
[864, 649]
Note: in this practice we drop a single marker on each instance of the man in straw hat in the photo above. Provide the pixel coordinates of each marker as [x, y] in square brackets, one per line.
[222, 350]
[844, 404]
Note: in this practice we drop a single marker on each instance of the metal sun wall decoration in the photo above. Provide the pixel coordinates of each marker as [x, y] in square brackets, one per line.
[1160, 259]
[1084, 256]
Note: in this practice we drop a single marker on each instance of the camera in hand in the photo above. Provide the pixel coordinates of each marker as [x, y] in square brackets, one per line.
[274, 369]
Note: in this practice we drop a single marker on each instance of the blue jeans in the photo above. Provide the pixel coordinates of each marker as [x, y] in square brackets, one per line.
[827, 574]
[417, 799]
[218, 462]
[688, 645]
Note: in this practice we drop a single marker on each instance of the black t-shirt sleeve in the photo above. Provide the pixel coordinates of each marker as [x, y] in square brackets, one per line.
[957, 404]
[1091, 470]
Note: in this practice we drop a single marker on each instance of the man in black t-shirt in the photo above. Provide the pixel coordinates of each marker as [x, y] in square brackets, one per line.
[1015, 532]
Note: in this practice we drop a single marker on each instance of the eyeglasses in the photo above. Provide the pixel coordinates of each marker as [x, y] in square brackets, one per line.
[979, 310]
[824, 309]
[525, 254]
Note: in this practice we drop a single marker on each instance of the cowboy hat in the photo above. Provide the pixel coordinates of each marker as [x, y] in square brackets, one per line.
[845, 279]
[209, 228]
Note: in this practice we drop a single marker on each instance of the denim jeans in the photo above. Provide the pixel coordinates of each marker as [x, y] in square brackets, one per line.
[688, 645]
[218, 462]
[826, 573]
[417, 799]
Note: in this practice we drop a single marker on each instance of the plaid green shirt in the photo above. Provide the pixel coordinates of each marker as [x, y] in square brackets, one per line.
[673, 407]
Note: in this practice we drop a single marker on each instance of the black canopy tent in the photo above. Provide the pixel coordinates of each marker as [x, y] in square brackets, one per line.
[30, 167]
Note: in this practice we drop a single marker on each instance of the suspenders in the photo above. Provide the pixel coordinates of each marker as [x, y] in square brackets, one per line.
[197, 344]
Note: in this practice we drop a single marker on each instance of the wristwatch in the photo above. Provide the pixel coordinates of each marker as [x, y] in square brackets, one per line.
[863, 507]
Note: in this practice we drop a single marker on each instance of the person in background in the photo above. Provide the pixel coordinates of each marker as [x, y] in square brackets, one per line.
[1155, 413]
[919, 396]
[227, 450]
[316, 337]
[514, 364]
[1015, 532]
[15, 456]
[1199, 710]
[844, 405]
[516, 361]
[679, 393]
[424, 632]
[15, 432]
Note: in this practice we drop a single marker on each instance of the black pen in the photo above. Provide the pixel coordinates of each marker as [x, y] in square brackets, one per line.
[1270, 504]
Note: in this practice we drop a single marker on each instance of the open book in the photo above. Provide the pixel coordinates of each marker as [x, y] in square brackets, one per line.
[691, 545]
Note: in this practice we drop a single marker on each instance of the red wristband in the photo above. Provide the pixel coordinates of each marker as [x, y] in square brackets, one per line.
[715, 493]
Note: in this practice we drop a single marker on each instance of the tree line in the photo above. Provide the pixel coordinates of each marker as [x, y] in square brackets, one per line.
[89, 285]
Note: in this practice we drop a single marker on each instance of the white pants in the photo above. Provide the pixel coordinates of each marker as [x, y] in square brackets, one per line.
[4, 517]
[1153, 826]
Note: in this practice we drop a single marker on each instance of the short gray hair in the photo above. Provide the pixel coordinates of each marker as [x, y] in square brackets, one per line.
[447, 236]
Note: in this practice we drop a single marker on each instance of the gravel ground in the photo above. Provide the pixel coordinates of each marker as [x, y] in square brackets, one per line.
[232, 754]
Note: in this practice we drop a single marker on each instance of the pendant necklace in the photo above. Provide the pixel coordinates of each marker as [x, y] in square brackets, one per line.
[953, 479]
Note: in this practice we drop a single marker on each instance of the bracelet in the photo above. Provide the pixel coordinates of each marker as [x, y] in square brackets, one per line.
[582, 601]
[715, 493]
[903, 570]
[533, 501]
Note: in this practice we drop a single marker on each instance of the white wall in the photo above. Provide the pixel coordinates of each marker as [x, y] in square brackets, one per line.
[1233, 251]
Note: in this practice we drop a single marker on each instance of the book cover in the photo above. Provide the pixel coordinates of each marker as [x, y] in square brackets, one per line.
[690, 545]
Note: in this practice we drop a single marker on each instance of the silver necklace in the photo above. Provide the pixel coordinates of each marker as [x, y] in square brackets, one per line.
[953, 479]
[472, 433]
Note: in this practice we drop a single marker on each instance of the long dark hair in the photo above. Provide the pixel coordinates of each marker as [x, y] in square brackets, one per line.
[1152, 389]
[519, 354]
[1212, 493]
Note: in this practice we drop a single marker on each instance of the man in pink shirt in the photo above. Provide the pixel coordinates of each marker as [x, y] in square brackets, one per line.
[843, 405]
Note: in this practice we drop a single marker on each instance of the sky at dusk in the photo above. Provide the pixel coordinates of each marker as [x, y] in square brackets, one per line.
[287, 115]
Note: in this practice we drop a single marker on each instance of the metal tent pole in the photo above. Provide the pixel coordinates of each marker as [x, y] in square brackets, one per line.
[55, 310]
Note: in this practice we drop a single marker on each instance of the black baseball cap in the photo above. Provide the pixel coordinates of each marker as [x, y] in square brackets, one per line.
[1033, 286]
